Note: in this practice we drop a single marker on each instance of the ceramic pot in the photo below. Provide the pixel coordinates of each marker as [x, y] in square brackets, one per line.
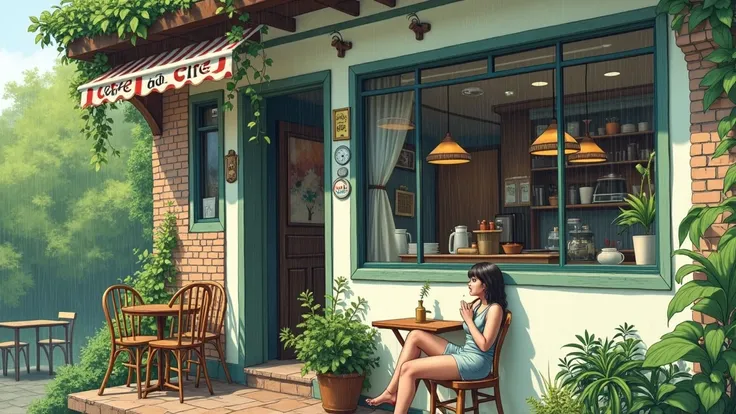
[340, 393]
[421, 313]
[586, 195]
[644, 247]
[610, 256]
[613, 128]
[553, 200]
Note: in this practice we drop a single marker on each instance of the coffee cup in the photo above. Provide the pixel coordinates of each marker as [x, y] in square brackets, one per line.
[586, 195]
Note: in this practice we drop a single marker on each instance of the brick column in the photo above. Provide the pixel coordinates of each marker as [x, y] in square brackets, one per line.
[199, 256]
[707, 173]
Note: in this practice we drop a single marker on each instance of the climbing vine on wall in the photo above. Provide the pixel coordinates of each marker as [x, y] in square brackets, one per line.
[130, 20]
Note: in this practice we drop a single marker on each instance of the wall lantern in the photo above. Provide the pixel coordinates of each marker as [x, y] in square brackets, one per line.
[339, 44]
[231, 166]
[418, 27]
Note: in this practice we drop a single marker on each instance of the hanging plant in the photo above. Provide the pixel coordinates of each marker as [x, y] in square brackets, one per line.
[130, 20]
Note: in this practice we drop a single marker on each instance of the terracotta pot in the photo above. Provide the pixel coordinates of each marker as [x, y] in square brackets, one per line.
[340, 393]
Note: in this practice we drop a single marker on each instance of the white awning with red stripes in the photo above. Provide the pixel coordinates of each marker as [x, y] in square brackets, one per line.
[189, 65]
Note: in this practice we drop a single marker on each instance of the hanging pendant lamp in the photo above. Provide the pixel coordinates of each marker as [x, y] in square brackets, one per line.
[590, 152]
[546, 143]
[448, 152]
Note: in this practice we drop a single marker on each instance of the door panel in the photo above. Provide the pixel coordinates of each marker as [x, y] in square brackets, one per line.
[301, 222]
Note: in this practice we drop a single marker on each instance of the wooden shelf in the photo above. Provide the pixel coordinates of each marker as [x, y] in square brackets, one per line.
[600, 164]
[592, 205]
[622, 135]
[537, 258]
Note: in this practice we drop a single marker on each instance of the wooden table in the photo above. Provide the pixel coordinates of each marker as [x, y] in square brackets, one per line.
[160, 312]
[410, 324]
[16, 326]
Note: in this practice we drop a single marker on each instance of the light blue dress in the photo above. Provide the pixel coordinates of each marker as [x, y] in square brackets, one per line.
[472, 363]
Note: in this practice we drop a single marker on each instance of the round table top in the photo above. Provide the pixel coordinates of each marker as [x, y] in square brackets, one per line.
[156, 310]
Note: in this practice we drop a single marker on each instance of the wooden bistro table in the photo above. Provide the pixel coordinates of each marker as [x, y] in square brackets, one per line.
[160, 312]
[16, 326]
[410, 324]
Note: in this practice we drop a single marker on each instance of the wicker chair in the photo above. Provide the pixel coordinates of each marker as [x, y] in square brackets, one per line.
[460, 387]
[125, 332]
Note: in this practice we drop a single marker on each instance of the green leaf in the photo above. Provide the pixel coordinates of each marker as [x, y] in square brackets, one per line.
[684, 401]
[726, 144]
[719, 56]
[690, 330]
[714, 76]
[714, 342]
[698, 15]
[134, 24]
[711, 94]
[709, 3]
[686, 270]
[725, 16]
[677, 22]
[104, 26]
[145, 14]
[670, 350]
[722, 36]
[708, 392]
[729, 80]
[124, 13]
[688, 293]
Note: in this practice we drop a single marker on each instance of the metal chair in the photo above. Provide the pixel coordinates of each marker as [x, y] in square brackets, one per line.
[189, 335]
[125, 332]
[491, 381]
[66, 345]
[6, 349]
[213, 330]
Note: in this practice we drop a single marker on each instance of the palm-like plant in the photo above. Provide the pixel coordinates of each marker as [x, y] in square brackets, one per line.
[425, 291]
[641, 207]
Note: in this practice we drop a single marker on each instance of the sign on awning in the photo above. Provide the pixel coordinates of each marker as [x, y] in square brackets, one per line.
[189, 65]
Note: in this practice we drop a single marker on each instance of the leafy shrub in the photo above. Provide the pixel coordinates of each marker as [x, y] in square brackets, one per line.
[556, 399]
[335, 342]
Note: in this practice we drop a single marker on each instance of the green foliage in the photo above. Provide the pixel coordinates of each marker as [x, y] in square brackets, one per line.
[130, 20]
[140, 173]
[335, 341]
[86, 375]
[425, 291]
[642, 207]
[556, 399]
[15, 281]
[607, 376]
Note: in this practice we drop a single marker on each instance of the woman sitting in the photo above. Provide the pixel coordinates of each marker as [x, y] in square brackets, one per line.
[482, 320]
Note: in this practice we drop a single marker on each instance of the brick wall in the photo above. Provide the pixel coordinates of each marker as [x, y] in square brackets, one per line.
[707, 173]
[200, 256]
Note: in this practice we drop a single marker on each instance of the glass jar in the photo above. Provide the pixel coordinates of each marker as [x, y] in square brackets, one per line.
[553, 239]
[581, 246]
[573, 224]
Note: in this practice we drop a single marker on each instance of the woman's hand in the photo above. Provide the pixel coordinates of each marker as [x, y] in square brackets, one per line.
[466, 311]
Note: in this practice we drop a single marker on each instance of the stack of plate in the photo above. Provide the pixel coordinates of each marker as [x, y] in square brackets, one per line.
[429, 248]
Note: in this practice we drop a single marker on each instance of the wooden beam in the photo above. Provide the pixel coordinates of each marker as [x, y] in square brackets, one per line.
[199, 14]
[152, 109]
[275, 20]
[388, 3]
[351, 7]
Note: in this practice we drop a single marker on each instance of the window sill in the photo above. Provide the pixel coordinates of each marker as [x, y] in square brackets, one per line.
[554, 276]
[207, 227]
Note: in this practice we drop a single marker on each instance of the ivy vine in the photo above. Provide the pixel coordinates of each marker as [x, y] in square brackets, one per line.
[130, 20]
[721, 78]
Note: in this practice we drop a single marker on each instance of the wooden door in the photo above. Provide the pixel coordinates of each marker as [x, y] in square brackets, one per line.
[301, 222]
[467, 193]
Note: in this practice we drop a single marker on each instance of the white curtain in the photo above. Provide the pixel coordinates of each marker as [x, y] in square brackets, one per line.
[384, 147]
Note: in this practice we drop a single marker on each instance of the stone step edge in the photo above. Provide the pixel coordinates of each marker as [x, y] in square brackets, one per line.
[297, 378]
[283, 386]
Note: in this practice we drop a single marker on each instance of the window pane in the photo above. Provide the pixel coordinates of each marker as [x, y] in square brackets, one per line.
[461, 70]
[208, 116]
[621, 113]
[209, 174]
[608, 44]
[391, 81]
[524, 59]
[390, 178]
[495, 121]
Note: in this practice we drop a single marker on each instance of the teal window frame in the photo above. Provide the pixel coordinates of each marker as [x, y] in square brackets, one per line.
[196, 102]
[656, 277]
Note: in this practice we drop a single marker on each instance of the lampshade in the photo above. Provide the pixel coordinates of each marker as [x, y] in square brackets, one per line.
[395, 124]
[448, 152]
[589, 153]
[546, 144]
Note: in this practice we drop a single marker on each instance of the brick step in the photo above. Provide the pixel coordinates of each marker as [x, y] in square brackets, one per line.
[281, 376]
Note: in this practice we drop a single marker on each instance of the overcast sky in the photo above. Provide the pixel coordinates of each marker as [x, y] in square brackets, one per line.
[16, 43]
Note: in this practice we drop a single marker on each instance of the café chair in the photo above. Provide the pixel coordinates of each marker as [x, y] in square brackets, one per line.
[213, 330]
[6, 349]
[66, 345]
[188, 336]
[460, 387]
[125, 332]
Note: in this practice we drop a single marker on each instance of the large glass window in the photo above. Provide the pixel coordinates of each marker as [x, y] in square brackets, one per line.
[475, 173]
[206, 204]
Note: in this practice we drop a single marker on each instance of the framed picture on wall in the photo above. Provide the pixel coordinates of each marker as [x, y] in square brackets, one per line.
[406, 158]
[404, 204]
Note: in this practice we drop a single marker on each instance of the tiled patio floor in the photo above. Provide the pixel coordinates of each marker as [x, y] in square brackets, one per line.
[15, 397]
[228, 398]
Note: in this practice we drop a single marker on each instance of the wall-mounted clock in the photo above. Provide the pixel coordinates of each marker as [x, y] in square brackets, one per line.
[342, 155]
[342, 172]
[341, 188]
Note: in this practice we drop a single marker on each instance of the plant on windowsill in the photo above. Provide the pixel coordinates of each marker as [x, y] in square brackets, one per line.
[337, 346]
[642, 211]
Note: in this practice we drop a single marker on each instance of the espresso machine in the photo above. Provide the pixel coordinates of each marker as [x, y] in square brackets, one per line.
[506, 223]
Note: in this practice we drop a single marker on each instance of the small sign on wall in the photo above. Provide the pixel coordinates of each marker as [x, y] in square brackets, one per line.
[341, 124]
[516, 192]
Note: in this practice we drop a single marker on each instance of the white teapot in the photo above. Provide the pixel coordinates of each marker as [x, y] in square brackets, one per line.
[460, 237]
[610, 256]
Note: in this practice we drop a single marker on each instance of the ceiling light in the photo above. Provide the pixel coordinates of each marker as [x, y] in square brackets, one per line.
[539, 83]
[473, 91]
[509, 93]
[395, 124]
[611, 74]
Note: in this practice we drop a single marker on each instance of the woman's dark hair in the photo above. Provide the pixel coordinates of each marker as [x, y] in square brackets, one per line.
[490, 275]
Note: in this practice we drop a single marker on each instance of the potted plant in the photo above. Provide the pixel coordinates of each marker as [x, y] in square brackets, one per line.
[641, 210]
[337, 346]
[420, 311]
